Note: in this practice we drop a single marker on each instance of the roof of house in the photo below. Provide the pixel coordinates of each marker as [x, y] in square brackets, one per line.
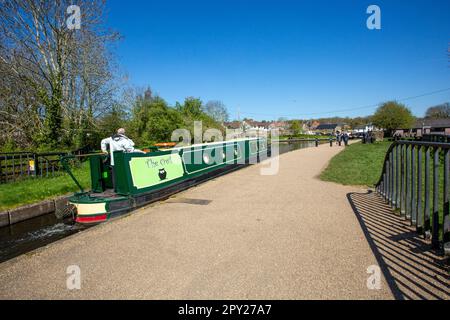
[327, 126]
[233, 125]
[278, 124]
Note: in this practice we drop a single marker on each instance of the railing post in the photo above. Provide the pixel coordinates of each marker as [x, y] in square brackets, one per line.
[387, 179]
[413, 207]
[21, 165]
[419, 212]
[402, 181]
[426, 215]
[397, 177]
[391, 178]
[408, 183]
[446, 207]
[36, 164]
[28, 164]
[13, 167]
[435, 218]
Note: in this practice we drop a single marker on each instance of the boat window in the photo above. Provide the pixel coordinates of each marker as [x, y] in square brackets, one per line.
[206, 158]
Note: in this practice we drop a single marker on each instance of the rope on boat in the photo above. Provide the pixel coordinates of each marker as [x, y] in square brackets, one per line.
[67, 211]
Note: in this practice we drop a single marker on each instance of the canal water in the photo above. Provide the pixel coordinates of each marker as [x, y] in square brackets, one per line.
[291, 146]
[31, 234]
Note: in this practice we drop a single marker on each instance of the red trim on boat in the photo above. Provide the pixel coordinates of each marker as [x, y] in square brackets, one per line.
[91, 219]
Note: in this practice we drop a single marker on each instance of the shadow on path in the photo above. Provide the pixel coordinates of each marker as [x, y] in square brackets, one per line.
[410, 268]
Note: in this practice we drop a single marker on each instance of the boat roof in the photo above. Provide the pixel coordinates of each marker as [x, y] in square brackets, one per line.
[212, 143]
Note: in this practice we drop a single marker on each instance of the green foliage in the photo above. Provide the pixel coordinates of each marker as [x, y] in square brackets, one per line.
[296, 128]
[192, 108]
[191, 111]
[9, 146]
[153, 121]
[393, 115]
[358, 121]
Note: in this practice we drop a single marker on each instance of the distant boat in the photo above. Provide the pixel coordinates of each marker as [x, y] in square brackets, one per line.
[137, 179]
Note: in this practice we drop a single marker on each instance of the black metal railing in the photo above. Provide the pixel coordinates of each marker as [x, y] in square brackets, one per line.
[415, 181]
[19, 165]
[436, 137]
[16, 165]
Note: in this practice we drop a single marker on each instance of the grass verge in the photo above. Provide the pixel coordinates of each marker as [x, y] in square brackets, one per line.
[32, 190]
[358, 164]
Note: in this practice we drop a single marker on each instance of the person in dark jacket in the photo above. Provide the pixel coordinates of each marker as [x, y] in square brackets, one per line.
[345, 137]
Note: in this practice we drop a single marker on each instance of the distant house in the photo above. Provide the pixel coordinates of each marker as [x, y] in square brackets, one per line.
[251, 127]
[233, 125]
[278, 125]
[313, 125]
[364, 128]
[425, 126]
[257, 125]
[247, 127]
[308, 127]
[281, 126]
[328, 128]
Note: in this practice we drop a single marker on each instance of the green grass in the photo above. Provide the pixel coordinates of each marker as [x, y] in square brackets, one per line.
[361, 164]
[358, 164]
[33, 190]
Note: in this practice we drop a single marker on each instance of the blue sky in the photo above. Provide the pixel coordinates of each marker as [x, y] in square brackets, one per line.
[294, 59]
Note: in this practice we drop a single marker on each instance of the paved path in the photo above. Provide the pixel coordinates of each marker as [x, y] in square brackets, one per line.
[240, 236]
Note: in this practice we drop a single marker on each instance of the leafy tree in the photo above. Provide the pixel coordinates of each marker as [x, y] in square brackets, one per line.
[191, 108]
[191, 111]
[154, 121]
[393, 115]
[358, 121]
[438, 112]
[296, 127]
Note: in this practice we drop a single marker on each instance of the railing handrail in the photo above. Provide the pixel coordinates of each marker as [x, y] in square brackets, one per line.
[409, 142]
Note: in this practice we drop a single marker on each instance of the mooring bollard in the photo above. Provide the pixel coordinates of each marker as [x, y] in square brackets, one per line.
[317, 142]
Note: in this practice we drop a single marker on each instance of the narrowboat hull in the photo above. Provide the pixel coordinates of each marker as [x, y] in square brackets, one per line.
[137, 179]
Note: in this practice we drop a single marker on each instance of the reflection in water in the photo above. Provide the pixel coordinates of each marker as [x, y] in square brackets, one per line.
[40, 231]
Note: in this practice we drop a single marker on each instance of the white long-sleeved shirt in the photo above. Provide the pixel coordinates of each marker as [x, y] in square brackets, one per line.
[117, 142]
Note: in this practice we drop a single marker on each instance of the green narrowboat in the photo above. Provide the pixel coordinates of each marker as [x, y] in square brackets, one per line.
[136, 178]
